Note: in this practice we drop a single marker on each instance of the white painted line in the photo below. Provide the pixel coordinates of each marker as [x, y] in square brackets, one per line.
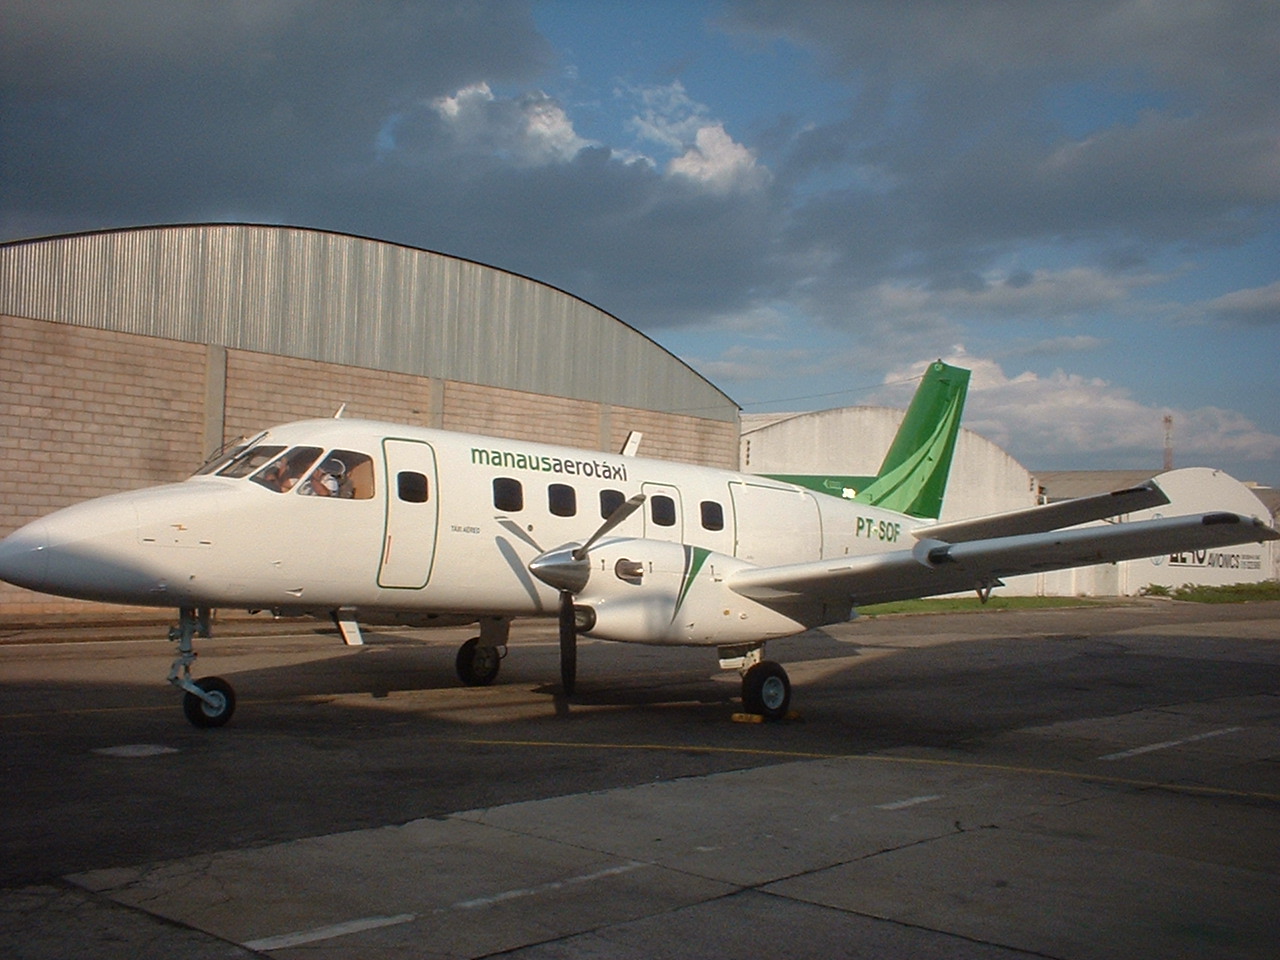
[327, 933]
[132, 750]
[1125, 754]
[301, 937]
[910, 802]
[546, 887]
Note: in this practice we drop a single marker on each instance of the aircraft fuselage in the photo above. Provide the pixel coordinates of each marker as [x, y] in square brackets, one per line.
[432, 523]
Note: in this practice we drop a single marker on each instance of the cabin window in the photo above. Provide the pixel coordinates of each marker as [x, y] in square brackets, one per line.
[712, 515]
[411, 487]
[248, 461]
[341, 474]
[662, 510]
[283, 473]
[508, 495]
[610, 500]
[562, 500]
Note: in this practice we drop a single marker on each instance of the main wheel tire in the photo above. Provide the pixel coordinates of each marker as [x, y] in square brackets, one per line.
[766, 690]
[202, 713]
[477, 666]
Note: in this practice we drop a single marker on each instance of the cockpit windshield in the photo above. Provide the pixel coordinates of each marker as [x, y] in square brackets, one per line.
[249, 460]
[341, 474]
[283, 473]
[228, 453]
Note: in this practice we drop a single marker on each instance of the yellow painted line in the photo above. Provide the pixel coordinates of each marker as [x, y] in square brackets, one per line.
[874, 758]
[175, 704]
[738, 751]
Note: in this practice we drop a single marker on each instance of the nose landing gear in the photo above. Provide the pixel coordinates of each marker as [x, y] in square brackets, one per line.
[210, 701]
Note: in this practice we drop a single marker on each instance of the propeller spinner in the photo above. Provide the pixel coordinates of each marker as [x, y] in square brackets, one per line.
[568, 569]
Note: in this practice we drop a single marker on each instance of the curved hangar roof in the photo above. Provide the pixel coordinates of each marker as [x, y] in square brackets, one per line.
[349, 300]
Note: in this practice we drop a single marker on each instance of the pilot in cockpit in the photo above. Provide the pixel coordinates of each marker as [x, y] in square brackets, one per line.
[326, 479]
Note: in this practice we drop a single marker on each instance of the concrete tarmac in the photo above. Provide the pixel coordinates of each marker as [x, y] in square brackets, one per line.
[1085, 783]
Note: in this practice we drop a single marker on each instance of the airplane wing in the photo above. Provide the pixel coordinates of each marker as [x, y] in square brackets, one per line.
[1052, 516]
[934, 567]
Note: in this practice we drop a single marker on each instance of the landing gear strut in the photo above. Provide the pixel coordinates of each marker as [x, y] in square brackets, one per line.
[209, 702]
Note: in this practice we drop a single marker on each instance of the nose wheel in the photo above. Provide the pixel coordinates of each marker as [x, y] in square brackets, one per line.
[213, 706]
[208, 702]
[478, 663]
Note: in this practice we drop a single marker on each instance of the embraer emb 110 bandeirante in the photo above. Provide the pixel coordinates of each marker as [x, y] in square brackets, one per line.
[388, 524]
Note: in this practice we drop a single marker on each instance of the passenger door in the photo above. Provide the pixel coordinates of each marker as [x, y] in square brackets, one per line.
[413, 512]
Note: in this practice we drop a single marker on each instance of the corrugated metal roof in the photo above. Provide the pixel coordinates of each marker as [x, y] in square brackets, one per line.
[351, 300]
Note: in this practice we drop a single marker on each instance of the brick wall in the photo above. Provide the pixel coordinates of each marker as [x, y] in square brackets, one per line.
[87, 412]
[264, 390]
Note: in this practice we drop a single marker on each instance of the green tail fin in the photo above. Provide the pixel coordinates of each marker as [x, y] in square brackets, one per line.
[913, 476]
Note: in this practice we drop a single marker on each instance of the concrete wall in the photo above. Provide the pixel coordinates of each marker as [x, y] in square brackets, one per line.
[86, 412]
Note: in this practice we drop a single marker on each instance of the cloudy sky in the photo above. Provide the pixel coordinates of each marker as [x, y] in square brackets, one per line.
[804, 199]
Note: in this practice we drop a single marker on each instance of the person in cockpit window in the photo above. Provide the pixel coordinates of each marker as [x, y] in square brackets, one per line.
[325, 480]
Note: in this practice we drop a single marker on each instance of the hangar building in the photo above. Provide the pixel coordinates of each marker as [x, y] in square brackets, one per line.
[128, 356]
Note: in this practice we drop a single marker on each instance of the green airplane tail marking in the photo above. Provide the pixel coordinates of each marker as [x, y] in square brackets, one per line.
[913, 476]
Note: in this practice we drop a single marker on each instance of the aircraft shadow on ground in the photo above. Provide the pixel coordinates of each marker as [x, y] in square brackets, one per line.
[322, 744]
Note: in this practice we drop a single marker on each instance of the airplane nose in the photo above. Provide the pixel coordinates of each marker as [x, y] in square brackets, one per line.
[24, 556]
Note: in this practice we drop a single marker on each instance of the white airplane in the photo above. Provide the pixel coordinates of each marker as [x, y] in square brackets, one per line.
[389, 524]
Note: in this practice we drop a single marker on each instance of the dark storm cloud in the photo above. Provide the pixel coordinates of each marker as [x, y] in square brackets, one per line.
[972, 132]
[119, 113]
[619, 233]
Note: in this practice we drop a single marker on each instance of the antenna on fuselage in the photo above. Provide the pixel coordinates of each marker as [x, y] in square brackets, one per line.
[341, 410]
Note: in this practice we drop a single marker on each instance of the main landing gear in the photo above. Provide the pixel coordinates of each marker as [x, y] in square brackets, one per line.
[210, 701]
[766, 688]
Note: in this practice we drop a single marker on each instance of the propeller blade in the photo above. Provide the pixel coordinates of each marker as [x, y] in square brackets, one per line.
[568, 570]
[568, 644]
[624, 510]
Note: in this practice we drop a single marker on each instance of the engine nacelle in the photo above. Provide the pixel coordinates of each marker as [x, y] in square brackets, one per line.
[653, 591]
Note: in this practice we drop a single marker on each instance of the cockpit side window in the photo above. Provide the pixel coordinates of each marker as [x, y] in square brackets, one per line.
[342, 474]
[283, 473]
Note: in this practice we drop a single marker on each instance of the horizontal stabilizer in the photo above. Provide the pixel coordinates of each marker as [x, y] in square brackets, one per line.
[1052, 516]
